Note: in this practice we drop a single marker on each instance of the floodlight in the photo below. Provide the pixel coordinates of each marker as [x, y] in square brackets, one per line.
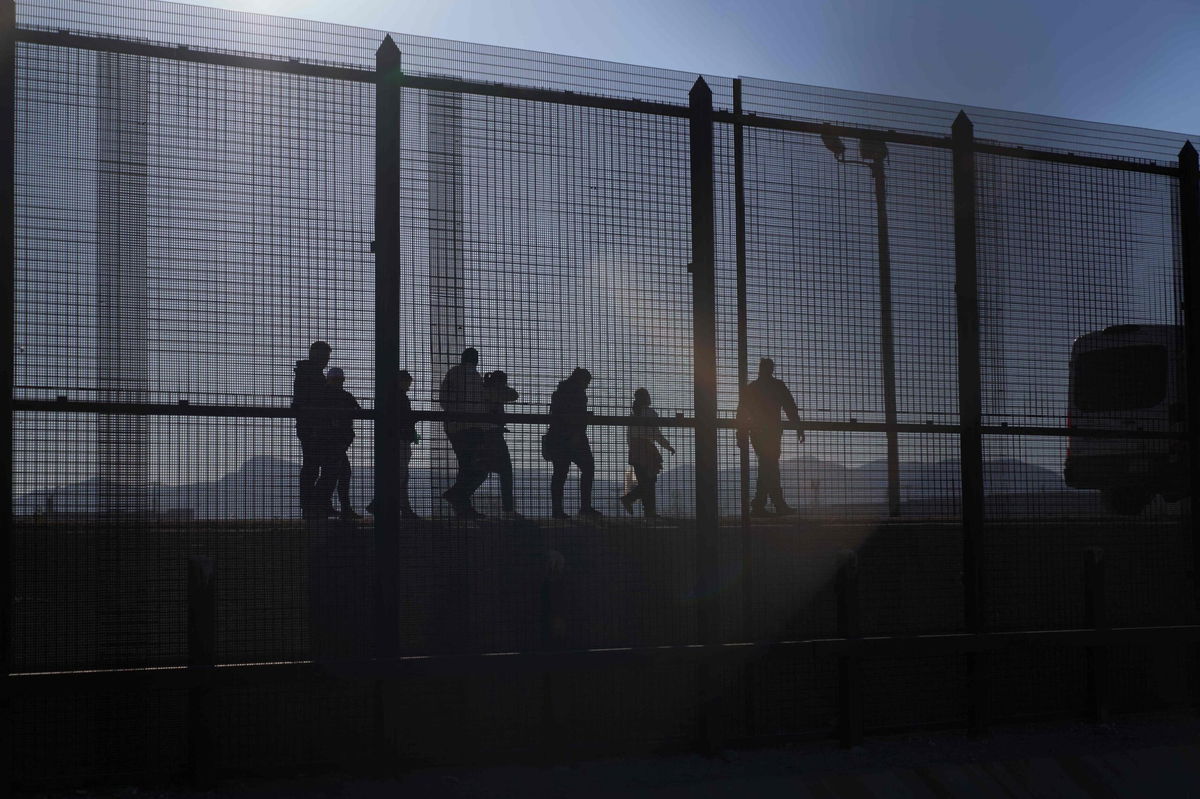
[872, 149]
[833, 144]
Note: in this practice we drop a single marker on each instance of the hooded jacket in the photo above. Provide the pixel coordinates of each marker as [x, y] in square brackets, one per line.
[309, 398]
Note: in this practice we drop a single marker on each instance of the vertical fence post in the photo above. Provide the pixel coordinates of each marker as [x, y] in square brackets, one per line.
[970, 409]
[887, 347]
[1189, 250]
[704, 337]
[739, 203]
[8, 255]
[1097, 619]
[388, 81]
[850, 684]
[202, 657]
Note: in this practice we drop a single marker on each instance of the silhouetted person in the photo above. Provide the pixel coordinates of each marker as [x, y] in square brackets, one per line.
[462, 391]
[566, 442]
[407, 433]
[758, 420]
[342, 407]
[493, 452]
[644, 456]
[408, 438]
[309, 398]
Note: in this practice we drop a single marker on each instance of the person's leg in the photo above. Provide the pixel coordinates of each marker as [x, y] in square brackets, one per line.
[557, 481]
[635, 493]
[462, 454]
[402, 478]
[310, 470]
[649, 494]
[641, 474]
[330, 470]
[344, 474]
[759, 502]
[504, 469]
[587, 473]
[775, 487]
[476, 472]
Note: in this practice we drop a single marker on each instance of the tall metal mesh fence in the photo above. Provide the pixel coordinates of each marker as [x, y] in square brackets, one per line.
[188, 222]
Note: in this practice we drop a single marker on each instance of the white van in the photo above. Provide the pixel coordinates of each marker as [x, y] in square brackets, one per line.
[1128, 378]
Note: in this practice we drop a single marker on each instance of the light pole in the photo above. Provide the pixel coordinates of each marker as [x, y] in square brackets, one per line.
[873, 152]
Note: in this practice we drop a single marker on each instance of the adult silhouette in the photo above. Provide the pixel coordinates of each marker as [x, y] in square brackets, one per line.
[566, 442]
[493, 452]
[310, 402]
[644, 457]
[462, 391]
[342, 408]
[762, 401]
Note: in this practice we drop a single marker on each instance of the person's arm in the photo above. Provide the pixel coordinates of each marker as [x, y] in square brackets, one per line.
[656, 433]
[790, 409]
[444, 390]
[741, 421]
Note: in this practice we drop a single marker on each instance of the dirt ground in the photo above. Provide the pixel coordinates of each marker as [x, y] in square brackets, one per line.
[1130, 758]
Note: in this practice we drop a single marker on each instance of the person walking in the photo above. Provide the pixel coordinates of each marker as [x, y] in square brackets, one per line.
[758, 423]
[493, 451]
[644, 457]
[342, 408]
[309, 401]
[408, 437]
[461, 391]
[566, 442]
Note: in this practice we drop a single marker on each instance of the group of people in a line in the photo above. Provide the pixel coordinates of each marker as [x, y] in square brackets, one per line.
[325, 413]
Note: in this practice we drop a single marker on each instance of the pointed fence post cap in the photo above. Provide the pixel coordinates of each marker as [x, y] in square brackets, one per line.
[700, 89]
[963, 124]
[387, 46]
[1187, 153]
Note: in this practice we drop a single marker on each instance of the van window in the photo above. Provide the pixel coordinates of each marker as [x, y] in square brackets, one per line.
[1121, 378]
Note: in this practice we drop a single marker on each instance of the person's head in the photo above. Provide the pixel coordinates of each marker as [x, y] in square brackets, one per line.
[404, 379]
[766, 367]
[319, 352]
[581, 376]
[496, 378]
[641, 398]
[335, 377]
[470, 357]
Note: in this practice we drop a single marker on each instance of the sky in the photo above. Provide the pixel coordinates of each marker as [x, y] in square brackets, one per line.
[1116, 61]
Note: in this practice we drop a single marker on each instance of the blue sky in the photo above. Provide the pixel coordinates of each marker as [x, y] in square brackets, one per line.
[1106, 60]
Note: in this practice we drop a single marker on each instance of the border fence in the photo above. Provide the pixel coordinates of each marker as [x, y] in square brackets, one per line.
[196, 195]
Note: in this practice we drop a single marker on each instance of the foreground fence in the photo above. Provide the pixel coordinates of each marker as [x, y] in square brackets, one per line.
[197, 195]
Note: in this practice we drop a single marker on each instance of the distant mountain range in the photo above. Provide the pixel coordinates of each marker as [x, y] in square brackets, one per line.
[265, 487]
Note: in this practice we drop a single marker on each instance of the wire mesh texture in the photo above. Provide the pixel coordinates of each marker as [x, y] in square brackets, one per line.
[186, 225]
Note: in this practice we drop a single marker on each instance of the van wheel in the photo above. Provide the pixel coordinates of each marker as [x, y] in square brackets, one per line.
[1126, 501]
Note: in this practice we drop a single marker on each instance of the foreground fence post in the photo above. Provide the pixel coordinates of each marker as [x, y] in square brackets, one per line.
[8, 254]
[970, 410]
[1189, 250]
[850, 683]
[202, 657]
[739, 202]
[388, 82]
[704, 337]
[1097, 619]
